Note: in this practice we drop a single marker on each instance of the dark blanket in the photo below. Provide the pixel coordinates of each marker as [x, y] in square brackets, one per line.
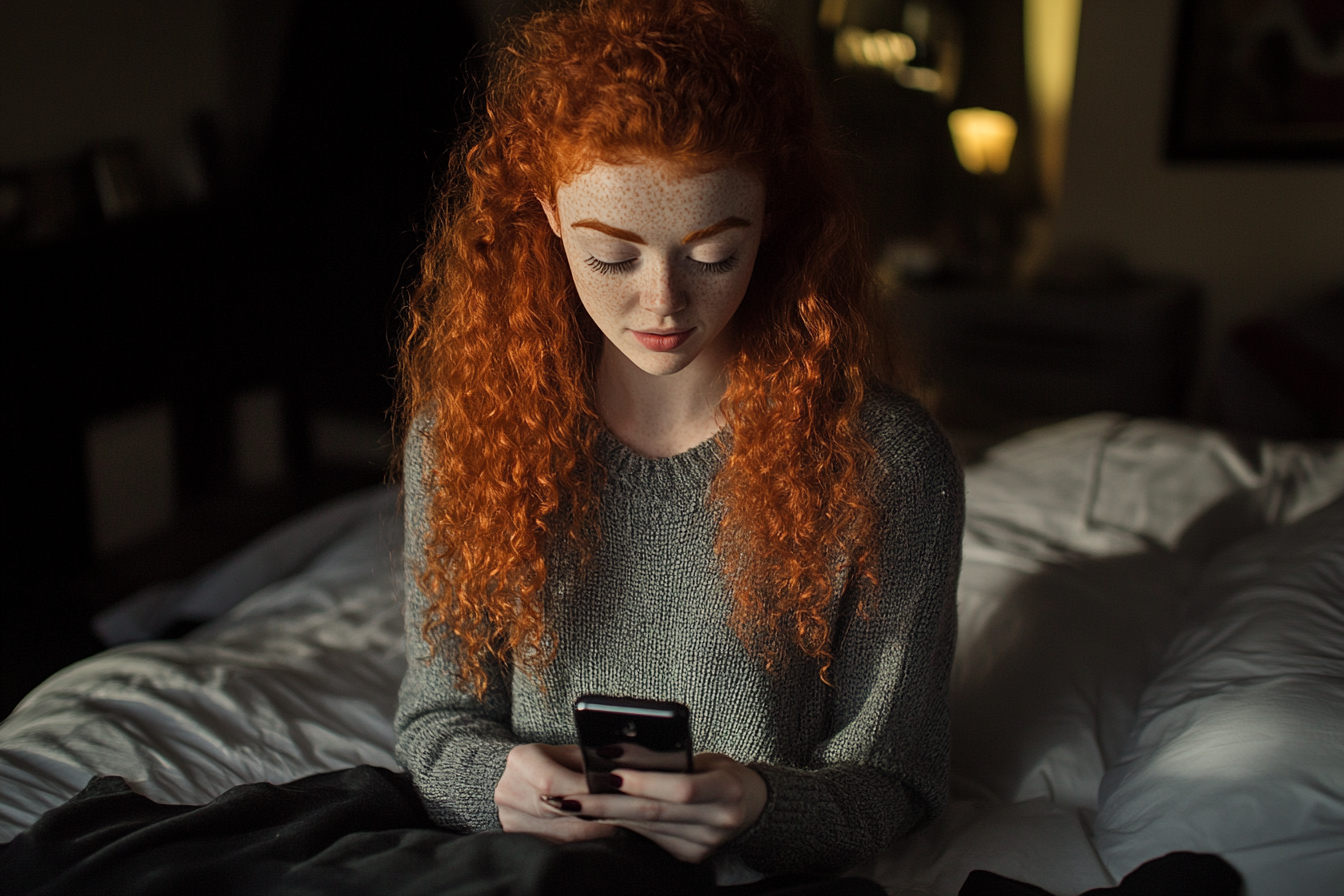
[357, 831]
[1175, 874]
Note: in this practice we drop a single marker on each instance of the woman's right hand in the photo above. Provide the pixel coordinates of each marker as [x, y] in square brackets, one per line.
[533, 773]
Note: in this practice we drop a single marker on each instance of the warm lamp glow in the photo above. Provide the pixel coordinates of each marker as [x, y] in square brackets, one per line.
[983, 139]
[1050, 33]
[888, 51]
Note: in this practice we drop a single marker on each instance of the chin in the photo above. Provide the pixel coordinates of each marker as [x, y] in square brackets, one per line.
[662, 363]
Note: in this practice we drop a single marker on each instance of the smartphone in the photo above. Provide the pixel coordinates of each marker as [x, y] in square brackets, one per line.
[625, 732]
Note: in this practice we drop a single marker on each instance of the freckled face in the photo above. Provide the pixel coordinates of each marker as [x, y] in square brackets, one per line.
[661, 260]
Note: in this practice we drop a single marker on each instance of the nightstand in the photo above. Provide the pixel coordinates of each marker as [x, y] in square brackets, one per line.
[1002, 360]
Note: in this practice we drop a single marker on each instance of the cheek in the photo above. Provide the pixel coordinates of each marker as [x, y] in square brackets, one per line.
[597, 293]
[734, 289]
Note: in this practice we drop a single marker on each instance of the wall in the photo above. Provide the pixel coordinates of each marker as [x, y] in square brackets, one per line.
[1258, 237]
[77, 71]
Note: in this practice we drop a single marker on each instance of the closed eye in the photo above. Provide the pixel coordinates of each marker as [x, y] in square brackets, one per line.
[716, 267]
[610, 267]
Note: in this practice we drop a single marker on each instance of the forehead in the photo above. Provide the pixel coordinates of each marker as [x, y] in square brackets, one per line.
[642, 189]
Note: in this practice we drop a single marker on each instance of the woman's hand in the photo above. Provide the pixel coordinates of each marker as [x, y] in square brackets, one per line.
[533, 776]
[688, 815]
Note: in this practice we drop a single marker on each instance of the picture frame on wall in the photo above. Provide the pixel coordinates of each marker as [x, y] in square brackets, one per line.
[1258, 80]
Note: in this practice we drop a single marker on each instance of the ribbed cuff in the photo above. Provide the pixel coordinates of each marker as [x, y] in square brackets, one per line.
[824, 821]
[777, 842]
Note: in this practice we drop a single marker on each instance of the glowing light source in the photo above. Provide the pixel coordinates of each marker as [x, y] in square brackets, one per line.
[919, 78]
[983, 139]
[889, 51]
[878, 49]
[1050, 39]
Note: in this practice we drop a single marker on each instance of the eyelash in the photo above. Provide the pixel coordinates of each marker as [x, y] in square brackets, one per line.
[621, 267]
[610, 267]
[717, 267]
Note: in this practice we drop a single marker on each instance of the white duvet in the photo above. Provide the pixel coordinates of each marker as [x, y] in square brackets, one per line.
[1151, 659]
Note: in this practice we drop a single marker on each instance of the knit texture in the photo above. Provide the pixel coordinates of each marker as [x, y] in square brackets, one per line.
[848, 766]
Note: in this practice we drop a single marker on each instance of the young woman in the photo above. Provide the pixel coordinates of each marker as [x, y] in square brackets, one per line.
[650, 453]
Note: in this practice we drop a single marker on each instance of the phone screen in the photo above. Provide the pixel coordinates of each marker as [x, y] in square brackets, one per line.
[623, 732]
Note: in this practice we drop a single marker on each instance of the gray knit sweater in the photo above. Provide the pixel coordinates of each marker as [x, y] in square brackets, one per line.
[848, 767]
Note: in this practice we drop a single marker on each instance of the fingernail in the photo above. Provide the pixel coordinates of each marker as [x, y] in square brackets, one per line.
[614, 781]
[571, 806]
[610, 752]
[551, 800]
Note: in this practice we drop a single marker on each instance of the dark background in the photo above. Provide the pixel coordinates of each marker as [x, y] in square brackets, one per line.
[288, 275]
[282, 262]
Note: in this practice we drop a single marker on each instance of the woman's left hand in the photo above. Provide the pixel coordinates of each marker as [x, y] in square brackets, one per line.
[689, 815]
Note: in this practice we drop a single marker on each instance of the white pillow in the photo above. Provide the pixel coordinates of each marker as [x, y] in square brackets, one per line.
[1239, 744]
[1083, 544]
[1045, 685]
[1047, 623]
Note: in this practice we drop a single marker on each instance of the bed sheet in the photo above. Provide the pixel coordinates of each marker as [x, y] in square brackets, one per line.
[1084, 550]
[297, 679]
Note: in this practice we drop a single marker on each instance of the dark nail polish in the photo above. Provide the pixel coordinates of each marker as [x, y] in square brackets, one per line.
[610, 752]
[571, 806]
[614, 781]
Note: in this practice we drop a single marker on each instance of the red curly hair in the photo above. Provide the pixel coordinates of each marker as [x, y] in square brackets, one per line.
[500, 357]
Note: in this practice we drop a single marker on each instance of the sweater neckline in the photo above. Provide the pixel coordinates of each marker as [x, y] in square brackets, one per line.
[691, 470]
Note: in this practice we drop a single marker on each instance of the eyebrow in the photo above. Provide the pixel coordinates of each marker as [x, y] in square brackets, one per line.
[715, 229]
[632, 237]
[618, 233]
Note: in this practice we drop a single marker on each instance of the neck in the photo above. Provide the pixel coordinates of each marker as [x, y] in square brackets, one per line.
[661, 416]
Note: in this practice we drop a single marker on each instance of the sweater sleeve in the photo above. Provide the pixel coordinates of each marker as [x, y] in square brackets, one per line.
[883, 769]
[453, 745]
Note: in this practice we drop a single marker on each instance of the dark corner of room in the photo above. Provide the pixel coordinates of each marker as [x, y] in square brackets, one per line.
[210, 215]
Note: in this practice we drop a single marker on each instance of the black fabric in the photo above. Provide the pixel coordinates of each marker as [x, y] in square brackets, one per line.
[356, 831]
[987, 883]
[1179, 874]
[1175, 874]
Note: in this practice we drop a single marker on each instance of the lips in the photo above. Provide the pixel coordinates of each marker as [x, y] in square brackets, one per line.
[663, 342]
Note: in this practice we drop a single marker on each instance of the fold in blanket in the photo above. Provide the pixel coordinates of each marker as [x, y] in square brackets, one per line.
[357, 831]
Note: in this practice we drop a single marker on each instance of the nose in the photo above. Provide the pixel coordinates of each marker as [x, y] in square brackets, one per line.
[660, 292]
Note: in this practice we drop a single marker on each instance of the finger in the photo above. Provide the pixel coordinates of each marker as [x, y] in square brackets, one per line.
[675, 840]
[689, 834]
[622, 807]
[543, 767]
[563, 807]
[557, 830]
[708, 762]
[714, 785]
[531, 773]
[567, 755]
[561, 773]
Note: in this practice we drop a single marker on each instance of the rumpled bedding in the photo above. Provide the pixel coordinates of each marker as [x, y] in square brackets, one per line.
[357, 831]
[1139, 601]
[299, 678]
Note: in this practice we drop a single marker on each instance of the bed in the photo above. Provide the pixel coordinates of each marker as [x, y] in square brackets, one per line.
[1151, 659]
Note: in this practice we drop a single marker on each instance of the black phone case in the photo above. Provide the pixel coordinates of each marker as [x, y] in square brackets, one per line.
[626, 732]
